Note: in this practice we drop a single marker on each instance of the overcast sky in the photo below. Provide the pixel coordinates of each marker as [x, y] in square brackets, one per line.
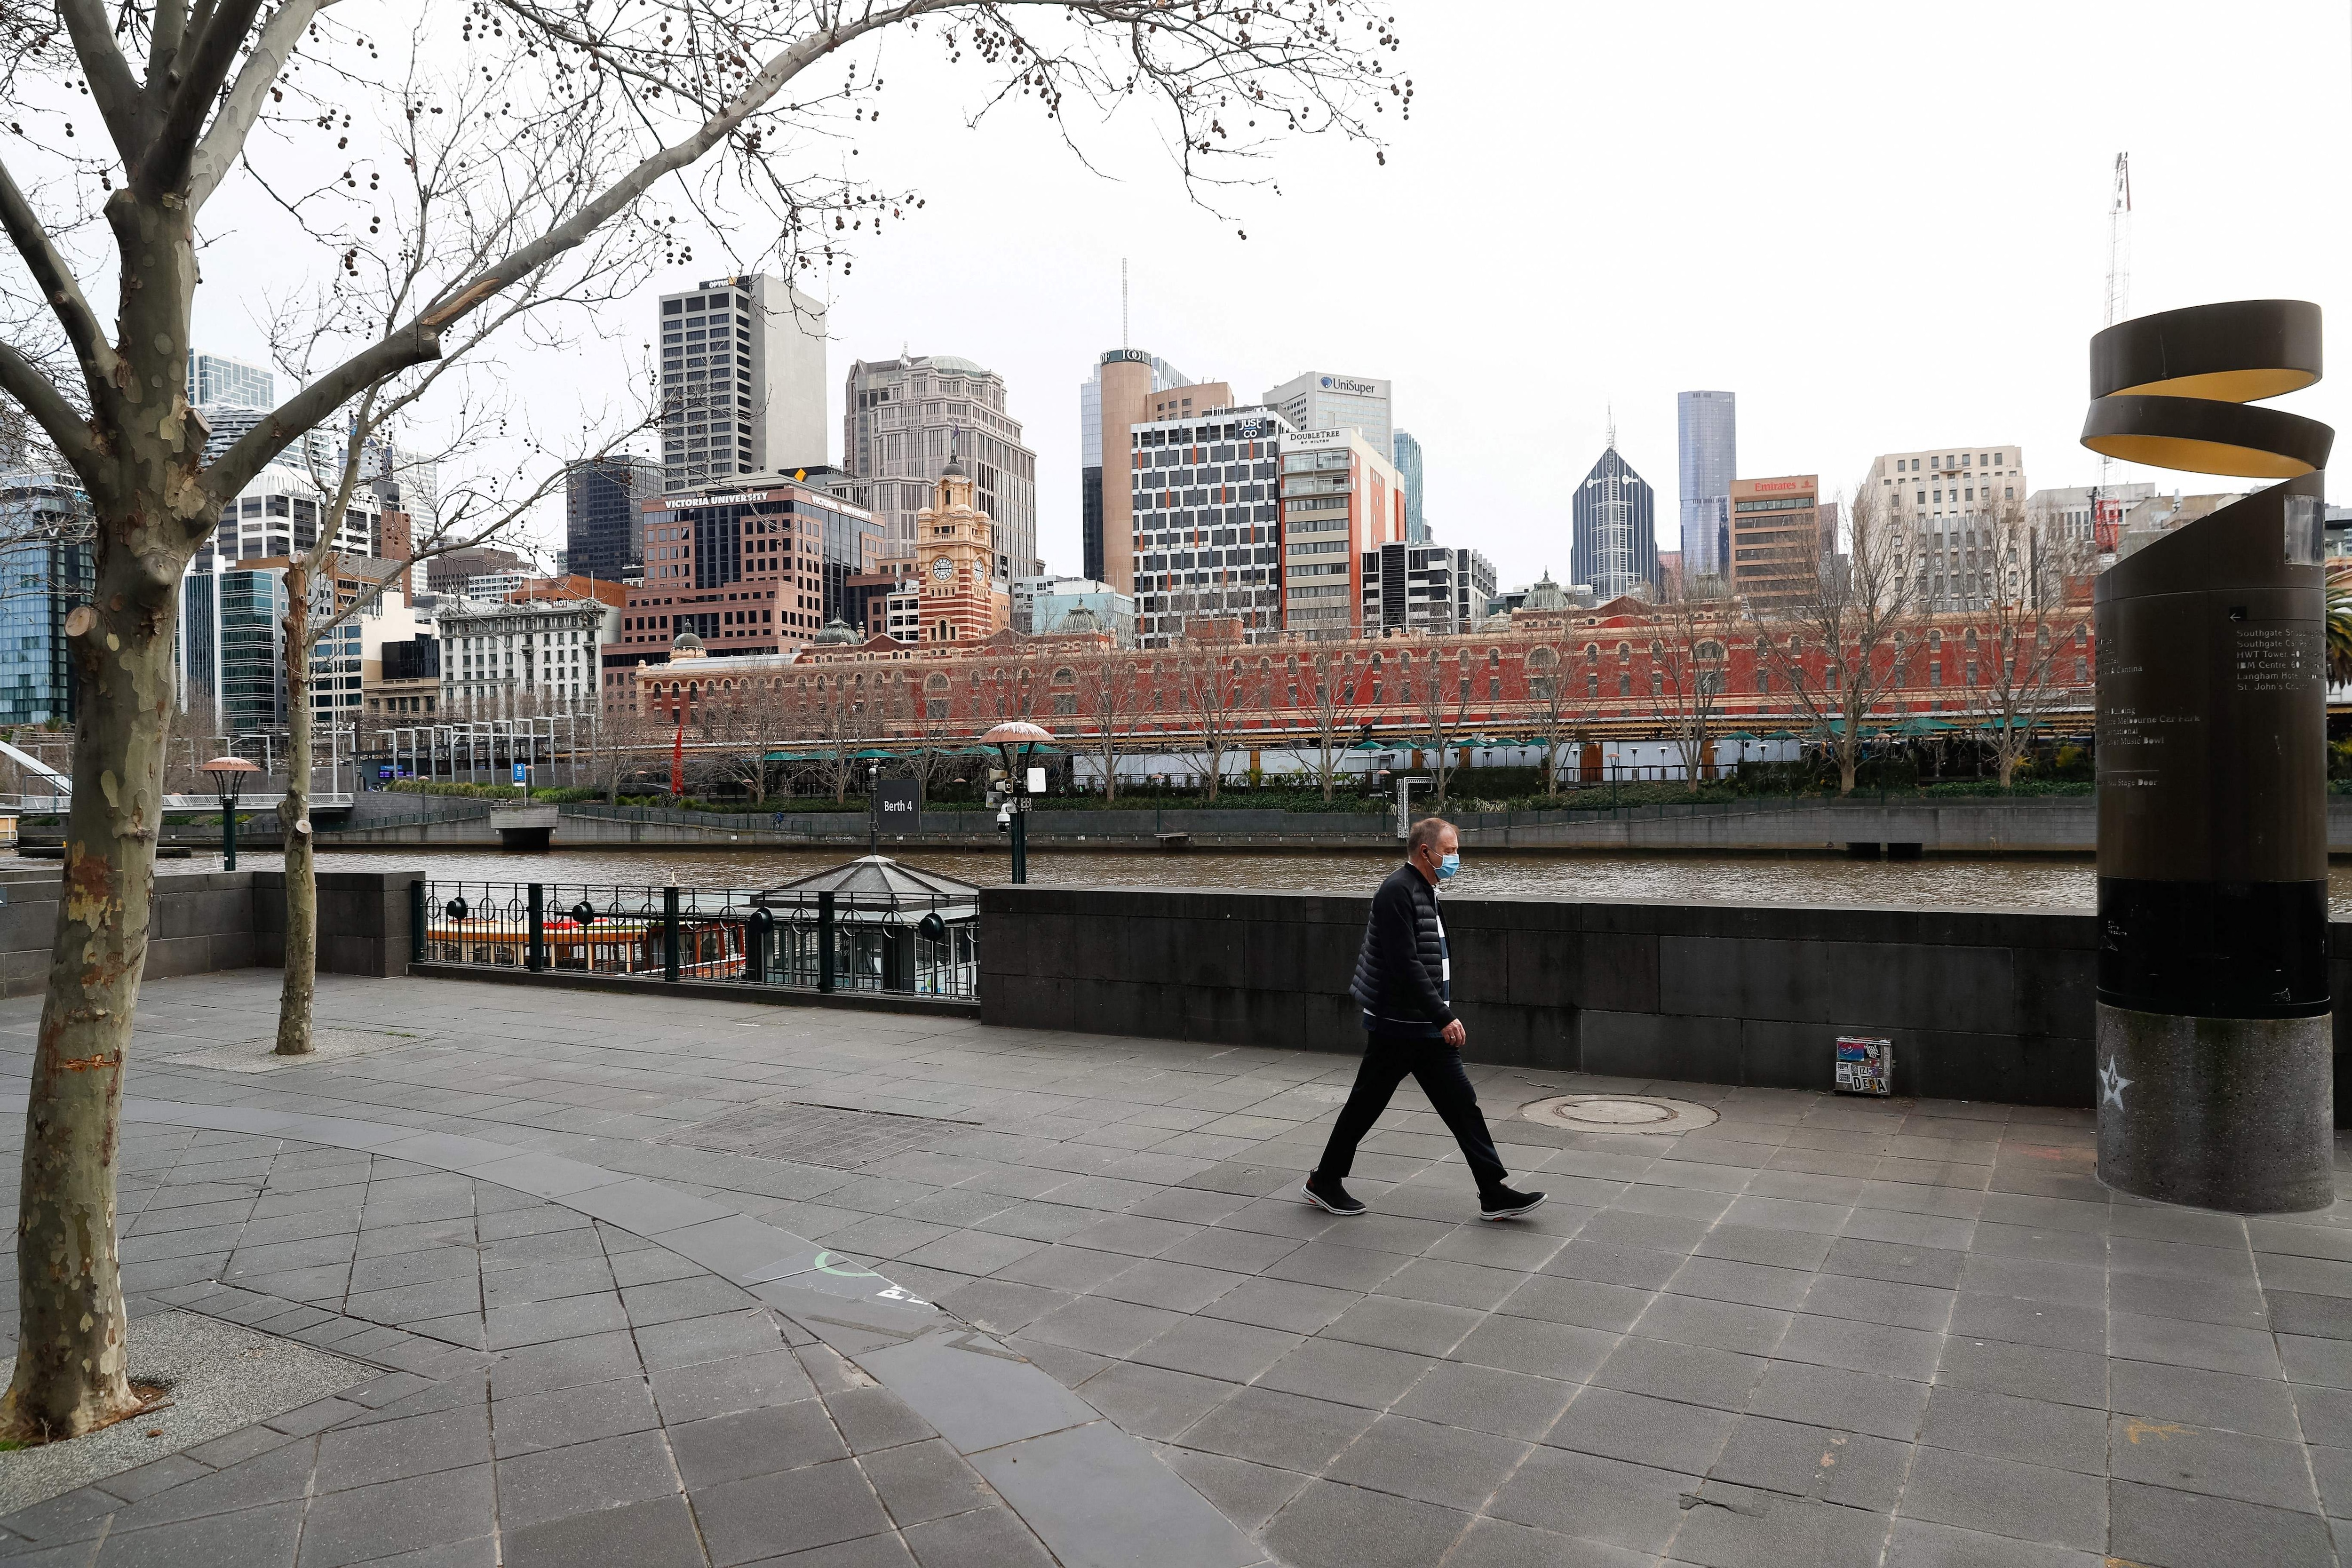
[1884, 228]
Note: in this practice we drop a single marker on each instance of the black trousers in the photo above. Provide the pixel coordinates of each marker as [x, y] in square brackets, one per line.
[1437, 1067]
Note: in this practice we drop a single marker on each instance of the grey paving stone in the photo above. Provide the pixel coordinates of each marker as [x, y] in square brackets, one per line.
[1486, 1399]
[2190, 1530]
[1336, 1265]
[1103, 1326]
[1151, 1401]
[2200, 1459]
[686, 1342]
[1644, 1430]
[2262, 1406]
[873, 1418]
[2003, 1426]
[387, 1450]
[768, 1516]
[2138, 1337]
[603, 1472]
[1328, 1525]
[253, 1538]
[530, 1422]
[1282, 1304]
[1691, 1374]
[1210, 1347]
[1999, 1497]
[536, 1323]
[1916, 1543]
[659, 1533]
[1840, 1400]
[721, 1387]
[985, 1538]
[1268, 1426]
[2019, 1321]
[1631, 1507]
[2028, 1371]
[755, 1442]
[1246, 1493]
[1057, 1483]
[974, 1394]
[400, 1516]
[1853, 1470]
[1451, 1465]
[1178, 1287]
[1345, 1373]
[1588, 1303]
[1419, 1328]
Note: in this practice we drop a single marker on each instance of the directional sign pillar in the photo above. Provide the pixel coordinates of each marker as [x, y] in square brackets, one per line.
[2214, 1033]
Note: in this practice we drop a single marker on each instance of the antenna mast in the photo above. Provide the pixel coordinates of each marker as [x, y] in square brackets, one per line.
[2106, 528]
[1122, 303]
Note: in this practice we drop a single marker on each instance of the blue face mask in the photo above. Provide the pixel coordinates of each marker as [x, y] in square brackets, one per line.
[1447, 866]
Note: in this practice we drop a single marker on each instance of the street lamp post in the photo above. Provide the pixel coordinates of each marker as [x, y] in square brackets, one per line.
[228, 775]
[1017, 740]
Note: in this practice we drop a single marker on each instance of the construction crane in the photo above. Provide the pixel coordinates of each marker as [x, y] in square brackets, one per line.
[2106, 516]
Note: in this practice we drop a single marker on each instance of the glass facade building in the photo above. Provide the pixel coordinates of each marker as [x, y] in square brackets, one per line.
[904, 416]
[1614, 528]
[1408, 467]
[231, 651]
[1707, 448]
[216, 378]
[603, 505]
[48, 566]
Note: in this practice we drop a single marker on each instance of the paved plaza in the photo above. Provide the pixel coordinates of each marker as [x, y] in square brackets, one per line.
[682, 1281]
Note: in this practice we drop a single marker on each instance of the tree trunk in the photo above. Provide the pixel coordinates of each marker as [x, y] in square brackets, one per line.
[71, 1374]
[299, 985]
[1848, 763]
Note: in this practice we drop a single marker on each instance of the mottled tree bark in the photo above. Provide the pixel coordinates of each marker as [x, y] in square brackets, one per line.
[299, 985]
[71, 1374]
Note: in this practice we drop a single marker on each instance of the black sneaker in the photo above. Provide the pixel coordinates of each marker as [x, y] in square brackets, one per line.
[1333, 1199]
[1505, 1204]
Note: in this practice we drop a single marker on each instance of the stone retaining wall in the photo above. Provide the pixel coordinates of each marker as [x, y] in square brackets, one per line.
[1982, 1003]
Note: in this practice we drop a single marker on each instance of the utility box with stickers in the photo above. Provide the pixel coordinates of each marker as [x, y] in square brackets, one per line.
[1864, 1066]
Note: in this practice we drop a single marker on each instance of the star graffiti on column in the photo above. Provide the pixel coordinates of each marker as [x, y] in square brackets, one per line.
[2112, 1085]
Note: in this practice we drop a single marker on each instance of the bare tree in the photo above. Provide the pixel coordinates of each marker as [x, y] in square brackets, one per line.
[1687, 663]
[607, 99]
[1333, 711]
[2028, 632]
[1551, 689]
[1214, 687]
[1110, 694]
[748, 723]
[831, 723]
[1844, 639]
[1440, 718]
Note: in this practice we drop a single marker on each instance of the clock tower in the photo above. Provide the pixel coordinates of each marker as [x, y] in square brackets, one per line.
[955, 557]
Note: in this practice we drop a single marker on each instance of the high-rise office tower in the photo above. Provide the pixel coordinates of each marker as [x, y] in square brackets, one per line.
[1615, 536]
[216, 378]
[1408, 466]
[1131, 388]
[1946, 505]
[1706, 446]
[901, 419]
[50, 564]
[603, 503]
[742, 381]
[1123, 385]
[1206, 532]
[1318, 402]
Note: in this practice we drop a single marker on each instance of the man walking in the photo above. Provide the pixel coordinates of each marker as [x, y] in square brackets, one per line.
[1403, 983]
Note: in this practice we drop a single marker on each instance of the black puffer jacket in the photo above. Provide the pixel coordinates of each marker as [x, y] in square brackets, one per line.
[1401, 970]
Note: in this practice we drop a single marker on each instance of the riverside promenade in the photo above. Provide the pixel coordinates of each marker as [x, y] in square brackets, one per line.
[533, 1277]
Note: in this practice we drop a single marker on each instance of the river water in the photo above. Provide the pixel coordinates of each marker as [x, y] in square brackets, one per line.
[2010, 883]
[1997, 883]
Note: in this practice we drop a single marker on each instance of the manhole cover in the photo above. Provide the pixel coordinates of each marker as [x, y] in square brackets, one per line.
[1618, 1113]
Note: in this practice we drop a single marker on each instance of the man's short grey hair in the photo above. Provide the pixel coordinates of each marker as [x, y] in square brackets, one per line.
[1425, 833]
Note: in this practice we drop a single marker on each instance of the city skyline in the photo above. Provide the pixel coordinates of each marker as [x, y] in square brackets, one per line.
[1812, 338]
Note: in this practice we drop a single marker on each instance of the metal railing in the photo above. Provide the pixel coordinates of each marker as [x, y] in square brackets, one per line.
[902, 945]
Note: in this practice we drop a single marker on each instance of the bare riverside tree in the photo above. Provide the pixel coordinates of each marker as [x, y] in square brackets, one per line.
[724, 94]
[1212, 685]
[1550, 691]
[1687, 661]
[1331, 710]
[1840, 642]
[2026, 633]
[1110, 694]
[1441, 714]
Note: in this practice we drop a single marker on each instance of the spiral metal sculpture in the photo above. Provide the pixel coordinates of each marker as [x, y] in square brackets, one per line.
[2213, 1037]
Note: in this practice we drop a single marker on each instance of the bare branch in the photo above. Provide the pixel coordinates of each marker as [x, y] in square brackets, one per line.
[165, 166]
[236, 467]
[55, 279]
[108, 73]
[21, 379]
[264, 63]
